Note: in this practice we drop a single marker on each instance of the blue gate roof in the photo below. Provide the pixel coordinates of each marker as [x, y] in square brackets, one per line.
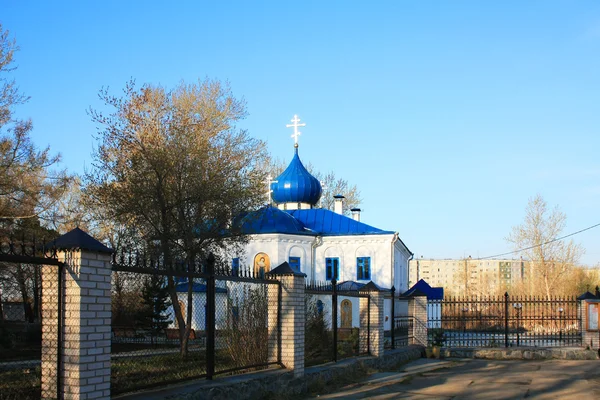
[422, 287]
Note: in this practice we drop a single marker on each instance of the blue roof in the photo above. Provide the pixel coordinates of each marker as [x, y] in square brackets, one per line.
[296, 184]
[270, 219]
[197, 288]
[328, 223]
[423, 287]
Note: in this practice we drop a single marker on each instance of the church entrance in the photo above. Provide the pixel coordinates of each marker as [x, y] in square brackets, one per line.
[262, 265]
[346, 314]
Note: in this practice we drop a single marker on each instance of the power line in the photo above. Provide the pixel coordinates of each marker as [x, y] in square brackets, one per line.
[541, 244]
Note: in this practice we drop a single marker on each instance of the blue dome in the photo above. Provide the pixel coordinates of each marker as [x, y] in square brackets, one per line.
[270, 219]
[296, 185]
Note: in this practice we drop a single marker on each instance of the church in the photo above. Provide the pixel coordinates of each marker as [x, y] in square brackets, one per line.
[321, 243]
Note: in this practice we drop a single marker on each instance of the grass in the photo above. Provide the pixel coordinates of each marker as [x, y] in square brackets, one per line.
[20, 352]
[133, 373]
[20, 384]
[324, 353]
[146, 371]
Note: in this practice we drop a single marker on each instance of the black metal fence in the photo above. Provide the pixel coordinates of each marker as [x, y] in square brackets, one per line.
[401, 333]
[332, 323]
[172, 324]
[22, 311]
[401, 330]
[504, 321]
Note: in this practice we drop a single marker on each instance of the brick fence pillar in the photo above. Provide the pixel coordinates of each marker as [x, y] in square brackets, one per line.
[417, 309]
[371, 334]
[273, 330]
[50, 331]
[84, 345]
[292, 317]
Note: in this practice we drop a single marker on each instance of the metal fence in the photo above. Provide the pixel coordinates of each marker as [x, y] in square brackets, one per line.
[504, 321]
[22, 312]
[331, 324]
[172, 324]
[401, 332]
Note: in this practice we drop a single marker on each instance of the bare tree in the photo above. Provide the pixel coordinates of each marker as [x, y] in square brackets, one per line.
[173, 164]
[28, 187]
[69, 211]
[550, 260]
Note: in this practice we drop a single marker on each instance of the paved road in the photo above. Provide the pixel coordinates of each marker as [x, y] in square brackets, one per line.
[480, 379]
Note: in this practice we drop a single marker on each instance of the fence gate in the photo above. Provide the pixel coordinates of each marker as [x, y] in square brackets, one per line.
[30, 289]
[506, 320]
[331, 320]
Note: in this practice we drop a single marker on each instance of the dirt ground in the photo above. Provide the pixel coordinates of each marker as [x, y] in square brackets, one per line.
[479, 379]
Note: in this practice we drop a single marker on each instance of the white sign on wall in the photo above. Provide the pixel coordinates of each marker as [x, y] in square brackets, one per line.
[592, 316]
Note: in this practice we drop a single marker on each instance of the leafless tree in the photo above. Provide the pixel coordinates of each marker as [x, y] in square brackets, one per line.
[550, 261]
[28, 186]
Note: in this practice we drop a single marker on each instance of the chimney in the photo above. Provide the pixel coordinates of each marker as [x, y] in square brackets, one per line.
[338, 204]
[356, 214]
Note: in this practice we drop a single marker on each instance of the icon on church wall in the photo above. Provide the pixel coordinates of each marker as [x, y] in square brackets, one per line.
[262, 265]
[346, 314]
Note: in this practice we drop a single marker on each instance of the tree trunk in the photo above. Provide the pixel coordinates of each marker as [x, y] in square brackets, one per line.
[37, 293]
[21, 281]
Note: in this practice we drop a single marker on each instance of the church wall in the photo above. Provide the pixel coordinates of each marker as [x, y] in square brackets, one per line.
[280, 247]
[401, 257]
[326, 299]
[199, 310]
[348, 248]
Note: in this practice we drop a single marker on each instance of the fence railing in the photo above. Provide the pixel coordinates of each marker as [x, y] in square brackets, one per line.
[177, 323]
[30, 276]
[504, 321]
[401, 333]
[331, 333]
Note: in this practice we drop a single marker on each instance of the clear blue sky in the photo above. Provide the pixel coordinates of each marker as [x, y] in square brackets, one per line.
[447, 115]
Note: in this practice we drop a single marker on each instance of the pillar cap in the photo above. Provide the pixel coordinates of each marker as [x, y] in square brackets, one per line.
[587, 296]
[371, 287]
[285, 269]
[78, 239]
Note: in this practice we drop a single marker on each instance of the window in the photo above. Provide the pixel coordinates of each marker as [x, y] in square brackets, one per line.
[332, 268]
[295, 263]
[363, 268]
[235, 266]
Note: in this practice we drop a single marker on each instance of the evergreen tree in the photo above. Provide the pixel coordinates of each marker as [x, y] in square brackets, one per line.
[155, 302]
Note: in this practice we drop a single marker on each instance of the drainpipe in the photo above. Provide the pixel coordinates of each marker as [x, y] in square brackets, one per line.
[313, 268]
[394, 240]
[408, 270]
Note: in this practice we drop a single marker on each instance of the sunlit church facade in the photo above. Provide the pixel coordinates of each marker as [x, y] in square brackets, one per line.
[321, 243]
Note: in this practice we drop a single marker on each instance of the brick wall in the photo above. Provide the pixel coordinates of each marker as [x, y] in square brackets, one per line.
[417, 309]
[371, 334]
[292, 322]
[86, 337]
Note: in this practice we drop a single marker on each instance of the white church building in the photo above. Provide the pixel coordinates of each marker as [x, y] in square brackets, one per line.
[321, 243]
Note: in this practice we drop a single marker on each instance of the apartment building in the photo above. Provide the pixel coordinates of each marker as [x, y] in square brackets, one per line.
[468, 276]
